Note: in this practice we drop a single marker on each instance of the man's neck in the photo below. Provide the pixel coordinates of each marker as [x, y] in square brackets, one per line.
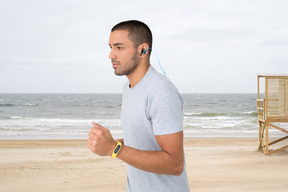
[138, 75]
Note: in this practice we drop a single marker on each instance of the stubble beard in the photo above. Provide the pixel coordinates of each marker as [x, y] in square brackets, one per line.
[129, 68]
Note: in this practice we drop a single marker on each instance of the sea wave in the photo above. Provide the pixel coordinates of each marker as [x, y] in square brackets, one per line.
[36, 128]
[16, 122]
[252, 113]
[15, 117]
[204, 114]
[12, 105]
[31, 104]
[6, 105]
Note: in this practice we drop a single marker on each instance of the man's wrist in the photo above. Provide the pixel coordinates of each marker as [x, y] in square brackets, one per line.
[117, 149]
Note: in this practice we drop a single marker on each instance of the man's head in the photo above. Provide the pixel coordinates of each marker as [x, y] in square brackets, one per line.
[127, 41]
[138, 32]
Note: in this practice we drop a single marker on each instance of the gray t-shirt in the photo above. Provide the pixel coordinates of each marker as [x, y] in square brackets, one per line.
[152, 107]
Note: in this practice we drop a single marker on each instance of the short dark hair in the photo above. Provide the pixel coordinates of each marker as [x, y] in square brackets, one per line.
[138, 32]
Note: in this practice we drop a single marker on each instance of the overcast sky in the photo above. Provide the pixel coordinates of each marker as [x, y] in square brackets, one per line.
[204, 46]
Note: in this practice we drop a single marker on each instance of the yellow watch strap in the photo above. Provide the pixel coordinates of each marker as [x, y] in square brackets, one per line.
[117, 149]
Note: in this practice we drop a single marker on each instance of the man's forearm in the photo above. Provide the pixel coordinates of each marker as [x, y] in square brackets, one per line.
[160, 162]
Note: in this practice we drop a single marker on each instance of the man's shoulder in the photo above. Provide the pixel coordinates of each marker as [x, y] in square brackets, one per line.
[161, 83]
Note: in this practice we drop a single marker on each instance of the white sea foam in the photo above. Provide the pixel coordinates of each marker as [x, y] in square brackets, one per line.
[50, 127]
[31, 104]
[15, 117]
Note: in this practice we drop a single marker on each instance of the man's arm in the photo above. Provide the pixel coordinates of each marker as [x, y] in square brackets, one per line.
[169, 161]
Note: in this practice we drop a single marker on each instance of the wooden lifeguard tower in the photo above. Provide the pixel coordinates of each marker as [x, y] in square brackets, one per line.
[272, 109]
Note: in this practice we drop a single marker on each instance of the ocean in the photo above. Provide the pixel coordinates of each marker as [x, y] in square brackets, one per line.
[69, 116]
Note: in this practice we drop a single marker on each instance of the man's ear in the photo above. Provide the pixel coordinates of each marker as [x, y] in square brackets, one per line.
[143, 49]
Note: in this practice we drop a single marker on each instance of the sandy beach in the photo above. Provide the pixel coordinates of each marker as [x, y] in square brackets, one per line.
[213, 165]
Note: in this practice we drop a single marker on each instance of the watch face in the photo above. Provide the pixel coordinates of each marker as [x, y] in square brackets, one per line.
[117, 149]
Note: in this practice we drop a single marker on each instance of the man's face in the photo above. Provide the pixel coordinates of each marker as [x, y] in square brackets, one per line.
[123, 55]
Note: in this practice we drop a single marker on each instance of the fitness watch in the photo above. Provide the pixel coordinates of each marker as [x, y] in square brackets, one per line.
[117, 149]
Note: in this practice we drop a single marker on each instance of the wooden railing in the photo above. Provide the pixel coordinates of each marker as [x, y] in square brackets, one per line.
[261, 110]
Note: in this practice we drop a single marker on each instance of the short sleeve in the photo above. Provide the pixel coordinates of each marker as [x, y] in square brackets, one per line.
[165, 110]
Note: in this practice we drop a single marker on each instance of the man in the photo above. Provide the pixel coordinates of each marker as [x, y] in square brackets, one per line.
[151, 117]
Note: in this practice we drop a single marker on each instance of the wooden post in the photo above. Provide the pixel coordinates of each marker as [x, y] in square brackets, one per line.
[258, 114]
[266, 139]
[265, 114]
[258, 87]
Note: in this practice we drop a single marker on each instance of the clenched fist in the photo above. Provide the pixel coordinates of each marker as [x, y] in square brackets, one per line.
[100, 140]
